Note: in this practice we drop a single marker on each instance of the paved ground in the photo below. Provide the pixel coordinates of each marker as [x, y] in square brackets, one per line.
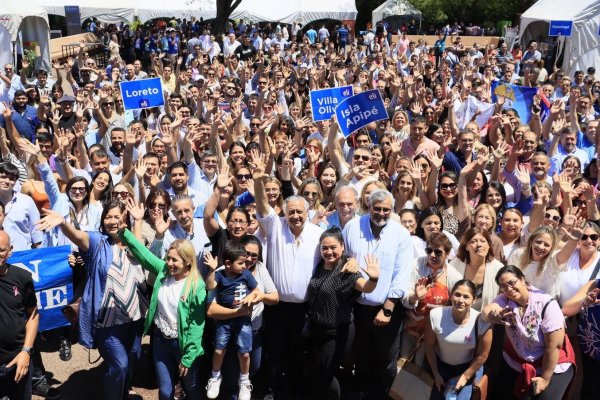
[78, 379]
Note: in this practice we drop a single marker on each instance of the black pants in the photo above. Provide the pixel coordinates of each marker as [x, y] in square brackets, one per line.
[11, 389]
[376, 350]
[285, 347]
[555, 390]
[327, 347]
[590, 390]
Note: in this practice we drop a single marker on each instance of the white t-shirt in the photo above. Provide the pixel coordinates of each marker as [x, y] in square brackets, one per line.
[166, 309]
[572, 278]
[544, 280]
[456, 344]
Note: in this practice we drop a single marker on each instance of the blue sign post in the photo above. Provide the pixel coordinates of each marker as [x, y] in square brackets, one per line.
[52, 281]
[360, 110]
[323, 102]
[560, 28]
[143, 93]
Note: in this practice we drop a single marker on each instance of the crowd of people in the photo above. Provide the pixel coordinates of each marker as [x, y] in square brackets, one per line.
[255, 245]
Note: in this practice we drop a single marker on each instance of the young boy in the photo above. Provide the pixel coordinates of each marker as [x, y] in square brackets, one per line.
[235, 287]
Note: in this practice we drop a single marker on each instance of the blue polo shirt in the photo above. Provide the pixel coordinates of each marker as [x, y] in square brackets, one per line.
[25, 122]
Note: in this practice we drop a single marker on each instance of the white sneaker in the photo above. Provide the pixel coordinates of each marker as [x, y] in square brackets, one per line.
[212, 389]
[245, 390]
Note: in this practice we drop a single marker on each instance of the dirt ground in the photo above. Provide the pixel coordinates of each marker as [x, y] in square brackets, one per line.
[79, 380]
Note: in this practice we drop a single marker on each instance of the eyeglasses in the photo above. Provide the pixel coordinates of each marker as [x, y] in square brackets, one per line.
[262, 83]
[244, 177]
[382, 210]
[158, 205]
[358, 157]
[254, 124]
[309, 194]
[122, 194]
[77, 190]
[437, 252]
[593, 236]
[250, 254]
[230, 87]
[209, 161]
[511, 284]
[239, 222]
[108, 104]
[448, 186]
[553, 217]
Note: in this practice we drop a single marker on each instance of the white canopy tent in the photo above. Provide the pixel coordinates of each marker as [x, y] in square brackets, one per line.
[110, 11]
[303, 11]
[151, 9]
[23, 21]
[582, 48]
[395, 8]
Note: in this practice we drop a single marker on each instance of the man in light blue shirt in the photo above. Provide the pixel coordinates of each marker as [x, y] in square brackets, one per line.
[378, 315]
[21, 214]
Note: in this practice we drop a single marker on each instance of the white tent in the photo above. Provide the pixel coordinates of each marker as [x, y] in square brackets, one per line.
[395, 8]
[582, 49]
[303, 11]
[150, 9]
[110, 11]
[22, 21]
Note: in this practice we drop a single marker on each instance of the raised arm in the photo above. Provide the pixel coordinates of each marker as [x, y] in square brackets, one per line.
[258, 175]
[211, 226]
[53, 219]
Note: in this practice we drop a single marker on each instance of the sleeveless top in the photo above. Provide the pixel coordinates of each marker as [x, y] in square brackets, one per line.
[40, 199]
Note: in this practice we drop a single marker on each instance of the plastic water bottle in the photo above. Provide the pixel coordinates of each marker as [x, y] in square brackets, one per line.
[451, 391]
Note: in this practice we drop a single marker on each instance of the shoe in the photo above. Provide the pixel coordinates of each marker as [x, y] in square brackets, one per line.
[245, 390]
[65, 349]
[44, 390]
[212, 389]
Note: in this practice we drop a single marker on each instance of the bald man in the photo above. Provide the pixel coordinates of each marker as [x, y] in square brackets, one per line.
[18, 325]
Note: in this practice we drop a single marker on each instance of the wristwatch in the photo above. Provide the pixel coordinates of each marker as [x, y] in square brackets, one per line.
[387, 312]
[28, 350]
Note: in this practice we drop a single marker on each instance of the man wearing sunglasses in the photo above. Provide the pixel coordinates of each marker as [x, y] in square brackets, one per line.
[378, 315]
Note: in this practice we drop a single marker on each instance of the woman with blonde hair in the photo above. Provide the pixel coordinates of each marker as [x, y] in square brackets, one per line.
[540, 262]
[400, 127]
[177, 310]
[405, 192]
[311, 191]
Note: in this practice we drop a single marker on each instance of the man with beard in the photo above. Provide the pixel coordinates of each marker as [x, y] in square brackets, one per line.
[117, 146]
[292, 255]
[178, 179]
[417, 143]
[378, 315]
[25, 118]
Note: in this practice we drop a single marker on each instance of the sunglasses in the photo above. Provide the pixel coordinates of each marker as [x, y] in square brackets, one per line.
[359, 157]
[384, 210]
[552, 217]
[159, 206]
[448, 186]
[250, 254]
[77, 190]
[122, 194]
[437, 252]
[309, 194]
[593, 236]
[243, 177]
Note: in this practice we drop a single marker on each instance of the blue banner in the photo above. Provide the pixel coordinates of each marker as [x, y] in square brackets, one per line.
[143, 93]
[560, 28]
[323, 102]
[52, 279]
[360, 110]
[519, 98]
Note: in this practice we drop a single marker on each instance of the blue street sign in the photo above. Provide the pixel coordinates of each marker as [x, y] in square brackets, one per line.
[360, 110]
[143, 93]
[323, 102]
[560, 28]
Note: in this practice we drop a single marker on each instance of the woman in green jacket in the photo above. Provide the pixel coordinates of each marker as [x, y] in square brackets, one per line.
[177, 309]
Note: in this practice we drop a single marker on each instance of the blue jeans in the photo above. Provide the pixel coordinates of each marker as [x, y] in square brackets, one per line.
[167, 358]
[231, 366]
[237, 328]
[448, 372]
[120, 346]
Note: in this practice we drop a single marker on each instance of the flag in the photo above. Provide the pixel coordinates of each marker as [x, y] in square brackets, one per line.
[519, 98]
[464, 112]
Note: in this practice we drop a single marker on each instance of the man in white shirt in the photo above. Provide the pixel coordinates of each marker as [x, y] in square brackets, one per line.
[378, 315]
[292, 256]
[229, 45]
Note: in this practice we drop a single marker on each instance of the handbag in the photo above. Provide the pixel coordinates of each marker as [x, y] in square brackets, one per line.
[412, 382]
[480, 387]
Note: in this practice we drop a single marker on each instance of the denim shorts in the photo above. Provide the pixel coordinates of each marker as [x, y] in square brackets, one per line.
[240, 330]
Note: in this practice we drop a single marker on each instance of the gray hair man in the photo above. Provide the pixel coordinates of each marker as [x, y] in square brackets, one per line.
[378, 315]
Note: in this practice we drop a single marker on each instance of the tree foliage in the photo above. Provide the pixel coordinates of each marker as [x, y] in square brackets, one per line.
[224, 10]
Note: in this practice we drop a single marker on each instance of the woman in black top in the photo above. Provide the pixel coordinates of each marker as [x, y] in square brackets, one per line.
[332, 290]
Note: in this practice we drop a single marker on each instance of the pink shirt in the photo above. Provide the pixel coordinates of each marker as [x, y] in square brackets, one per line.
[402, 45]
[427, 144]
[526, 334]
